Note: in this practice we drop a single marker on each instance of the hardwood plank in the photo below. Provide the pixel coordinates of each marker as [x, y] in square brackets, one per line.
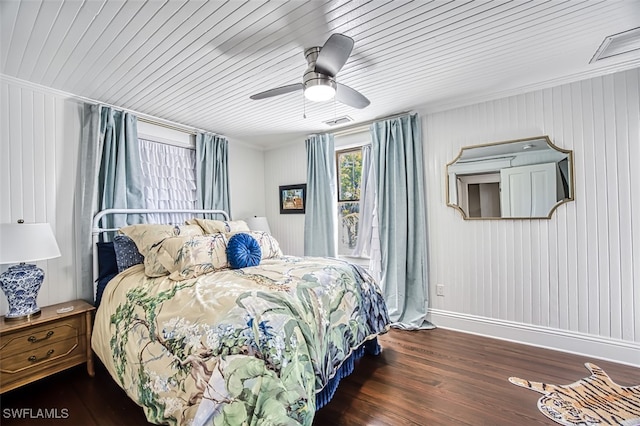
[87, 401]
[435, 377]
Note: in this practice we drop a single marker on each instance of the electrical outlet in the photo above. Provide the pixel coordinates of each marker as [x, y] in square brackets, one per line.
[440, 290]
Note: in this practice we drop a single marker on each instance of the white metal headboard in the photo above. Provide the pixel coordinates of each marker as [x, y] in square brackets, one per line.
[96, 229]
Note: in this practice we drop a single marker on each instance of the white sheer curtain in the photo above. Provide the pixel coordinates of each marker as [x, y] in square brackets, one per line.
[368, 244]
[169, 179]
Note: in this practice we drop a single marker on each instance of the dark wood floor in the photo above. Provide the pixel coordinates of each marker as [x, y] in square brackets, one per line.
[436, 377]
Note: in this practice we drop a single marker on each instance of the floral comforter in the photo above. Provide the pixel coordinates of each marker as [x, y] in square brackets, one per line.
[248, 346]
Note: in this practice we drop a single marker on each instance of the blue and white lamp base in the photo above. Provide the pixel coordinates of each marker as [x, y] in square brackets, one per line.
[21, 283]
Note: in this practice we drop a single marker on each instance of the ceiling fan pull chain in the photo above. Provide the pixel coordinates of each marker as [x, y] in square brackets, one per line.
[304, 106]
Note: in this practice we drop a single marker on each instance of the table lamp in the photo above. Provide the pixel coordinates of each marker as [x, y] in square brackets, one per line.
[19, 243]
[258, 223]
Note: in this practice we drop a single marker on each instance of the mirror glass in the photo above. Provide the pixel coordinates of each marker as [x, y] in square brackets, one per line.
[520, 179]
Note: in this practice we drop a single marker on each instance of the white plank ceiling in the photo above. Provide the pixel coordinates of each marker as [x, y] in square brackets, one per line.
[197, 62]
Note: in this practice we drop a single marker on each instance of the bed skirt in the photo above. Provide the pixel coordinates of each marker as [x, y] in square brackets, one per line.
[370, 347]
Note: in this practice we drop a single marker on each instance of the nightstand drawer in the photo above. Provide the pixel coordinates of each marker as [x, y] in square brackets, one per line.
[41, 336]
[38, 357]
[57, 339]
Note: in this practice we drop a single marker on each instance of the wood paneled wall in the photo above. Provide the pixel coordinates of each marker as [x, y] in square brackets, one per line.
[39, 143]
[286, 165]
[246, 179]
[577, 272]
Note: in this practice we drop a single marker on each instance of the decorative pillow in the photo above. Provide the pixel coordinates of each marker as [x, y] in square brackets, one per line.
[107, 264]
[189, 257]
[127, 253]
[210, 226]
[243, 251]
[148, 238]
[148, 235]
[269, 246]
[107, 268]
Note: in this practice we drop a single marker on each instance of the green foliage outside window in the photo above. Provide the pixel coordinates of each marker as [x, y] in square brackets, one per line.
[349, 216]
[349, 174]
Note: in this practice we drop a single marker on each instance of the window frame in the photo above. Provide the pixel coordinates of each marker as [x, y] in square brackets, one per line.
[340, 201]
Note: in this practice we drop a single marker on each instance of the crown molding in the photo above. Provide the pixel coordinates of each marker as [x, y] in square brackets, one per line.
[45, 89]
[486, 97]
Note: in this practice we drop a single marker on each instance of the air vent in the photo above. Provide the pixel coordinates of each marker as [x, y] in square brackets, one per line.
[618, 44]
[339, 120]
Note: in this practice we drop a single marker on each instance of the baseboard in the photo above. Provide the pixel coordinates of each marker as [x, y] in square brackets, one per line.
[619, 351]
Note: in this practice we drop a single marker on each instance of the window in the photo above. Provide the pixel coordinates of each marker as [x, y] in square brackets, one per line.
[349, 175]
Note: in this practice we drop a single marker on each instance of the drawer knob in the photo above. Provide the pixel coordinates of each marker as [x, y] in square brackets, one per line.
[34, 339]
[34, 358]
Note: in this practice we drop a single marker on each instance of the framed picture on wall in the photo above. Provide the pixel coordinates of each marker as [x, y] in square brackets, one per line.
[292, 198]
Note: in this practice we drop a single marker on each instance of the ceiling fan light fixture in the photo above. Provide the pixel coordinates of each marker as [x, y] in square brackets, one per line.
[319, 93]
[319, 79]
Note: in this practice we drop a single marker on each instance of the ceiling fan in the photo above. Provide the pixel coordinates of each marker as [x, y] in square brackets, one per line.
[319, 79]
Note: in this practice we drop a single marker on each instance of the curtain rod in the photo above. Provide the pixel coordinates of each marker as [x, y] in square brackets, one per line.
[178, 127]
[146, 118]
[361, 127]
[191, 131]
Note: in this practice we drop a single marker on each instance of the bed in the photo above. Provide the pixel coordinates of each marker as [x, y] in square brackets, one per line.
[217, 326]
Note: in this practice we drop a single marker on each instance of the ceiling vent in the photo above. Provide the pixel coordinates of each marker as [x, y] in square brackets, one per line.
[618, 44]
[339, 120]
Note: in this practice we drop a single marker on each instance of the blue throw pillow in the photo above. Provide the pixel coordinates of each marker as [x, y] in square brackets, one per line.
[243, 251]
[127, 253]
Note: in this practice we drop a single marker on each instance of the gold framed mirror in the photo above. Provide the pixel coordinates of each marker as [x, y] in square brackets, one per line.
[518, 179]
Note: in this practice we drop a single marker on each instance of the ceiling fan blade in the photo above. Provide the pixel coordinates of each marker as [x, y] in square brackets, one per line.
[277, 91]
[351, 97]
[334, 54]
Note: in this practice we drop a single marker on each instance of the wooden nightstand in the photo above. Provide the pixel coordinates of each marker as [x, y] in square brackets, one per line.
[51, 342]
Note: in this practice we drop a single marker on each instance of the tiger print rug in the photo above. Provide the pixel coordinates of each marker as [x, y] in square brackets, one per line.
[593, 401]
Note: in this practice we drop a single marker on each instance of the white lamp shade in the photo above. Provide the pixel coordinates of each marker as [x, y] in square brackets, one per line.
[258, 223]
[27, 242]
